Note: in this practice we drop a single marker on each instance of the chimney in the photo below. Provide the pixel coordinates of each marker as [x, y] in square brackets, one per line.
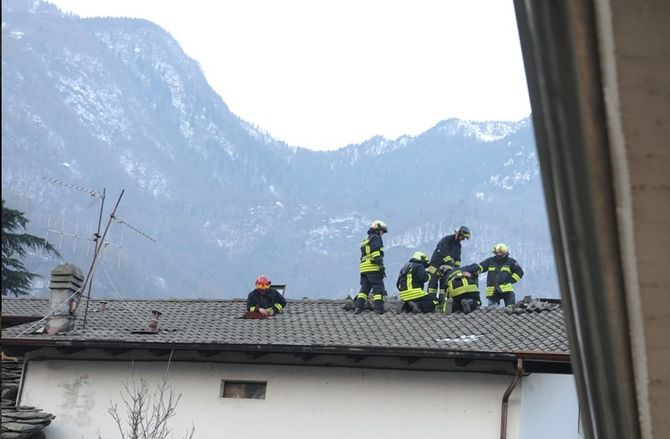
[66, 279]
[153, 321]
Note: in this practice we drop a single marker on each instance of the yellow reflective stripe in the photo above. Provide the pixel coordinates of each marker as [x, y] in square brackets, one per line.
[410, 278]
[414, 293]
[253, 308]
[516, 277]
[431, 270]
[468, 288]
[492, 268]
[362, 296]
[278, 306]
[447, 259]
[505, 268]
[489, 291]
[457, 263]
[432, 290]
[368, 267]
[506, 288]
[378, 297]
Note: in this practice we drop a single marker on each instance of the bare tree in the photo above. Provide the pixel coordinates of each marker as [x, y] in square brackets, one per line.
[146, 412]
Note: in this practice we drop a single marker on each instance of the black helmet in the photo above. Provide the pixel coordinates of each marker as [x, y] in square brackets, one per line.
[463, 230]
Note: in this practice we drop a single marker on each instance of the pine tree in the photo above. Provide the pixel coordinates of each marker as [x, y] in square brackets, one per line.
[16, 279]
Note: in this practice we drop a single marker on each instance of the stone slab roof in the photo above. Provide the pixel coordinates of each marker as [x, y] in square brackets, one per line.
[304, 324]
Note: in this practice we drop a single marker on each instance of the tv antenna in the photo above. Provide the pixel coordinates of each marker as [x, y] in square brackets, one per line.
[100, 243]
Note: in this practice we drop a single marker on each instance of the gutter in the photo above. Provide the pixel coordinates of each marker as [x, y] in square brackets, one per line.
[292, 349]
[505, 400]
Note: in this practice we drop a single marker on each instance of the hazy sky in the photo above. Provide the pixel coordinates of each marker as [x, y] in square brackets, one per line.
[324, 74]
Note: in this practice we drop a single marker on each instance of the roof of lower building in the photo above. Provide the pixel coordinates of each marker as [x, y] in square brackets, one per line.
[304, 325]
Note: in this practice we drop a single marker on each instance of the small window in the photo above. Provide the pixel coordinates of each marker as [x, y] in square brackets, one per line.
[243, 389]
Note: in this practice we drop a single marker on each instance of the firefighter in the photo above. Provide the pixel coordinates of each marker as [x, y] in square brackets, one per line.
[410, 284]
[265, 299]
[463, 287]
[372, 268]
[501, 272]
[447, 253]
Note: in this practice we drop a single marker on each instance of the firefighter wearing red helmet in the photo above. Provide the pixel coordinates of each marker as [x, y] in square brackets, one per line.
[265, 299]
[372, 268]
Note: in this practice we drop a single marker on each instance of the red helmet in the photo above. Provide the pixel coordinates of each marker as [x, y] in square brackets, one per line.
[262, 282]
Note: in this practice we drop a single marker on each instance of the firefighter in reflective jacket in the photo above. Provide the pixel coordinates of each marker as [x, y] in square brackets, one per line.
[463, 288]
[502, 272]
[410, 285]
[264, 299]
[372, 268]
[447, 253]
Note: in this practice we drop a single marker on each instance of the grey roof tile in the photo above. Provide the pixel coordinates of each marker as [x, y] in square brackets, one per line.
[309, 323]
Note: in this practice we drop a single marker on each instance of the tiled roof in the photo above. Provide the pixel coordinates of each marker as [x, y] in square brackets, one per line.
[24, 307]
[311, 323]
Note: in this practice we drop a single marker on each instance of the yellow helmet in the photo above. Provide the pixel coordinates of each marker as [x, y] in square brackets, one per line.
[501, 248]
[379, 225]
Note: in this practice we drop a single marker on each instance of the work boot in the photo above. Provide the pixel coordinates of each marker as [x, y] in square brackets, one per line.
[359, 305]
[465, 305]
[448, 309]
[416, 309]
[379, 306]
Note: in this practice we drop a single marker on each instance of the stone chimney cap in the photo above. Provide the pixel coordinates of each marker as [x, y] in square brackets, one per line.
[67, 269]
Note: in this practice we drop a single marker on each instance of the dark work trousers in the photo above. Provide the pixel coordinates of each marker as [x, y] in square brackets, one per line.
[474, 296]
[371, 282]
[509, 298]
[426, 303]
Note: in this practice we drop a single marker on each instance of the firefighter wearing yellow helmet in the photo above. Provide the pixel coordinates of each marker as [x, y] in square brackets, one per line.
[372, 268]
[502, 271]
[412, 277]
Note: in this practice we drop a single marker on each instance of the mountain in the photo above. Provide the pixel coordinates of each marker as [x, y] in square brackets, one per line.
[114, 103]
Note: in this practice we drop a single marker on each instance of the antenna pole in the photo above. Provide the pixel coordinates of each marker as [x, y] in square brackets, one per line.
[96, 239]
[98, 248]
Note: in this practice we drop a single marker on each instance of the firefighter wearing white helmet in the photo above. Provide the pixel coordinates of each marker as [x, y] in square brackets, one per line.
[502, 271]
[372, 268]
[412, 277]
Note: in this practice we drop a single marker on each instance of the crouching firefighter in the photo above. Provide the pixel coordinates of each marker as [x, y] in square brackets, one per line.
[372, 268]
[264, 299]
[412, 277]
[463, 288]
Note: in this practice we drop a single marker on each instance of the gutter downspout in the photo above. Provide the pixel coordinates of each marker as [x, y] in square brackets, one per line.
[508, 392]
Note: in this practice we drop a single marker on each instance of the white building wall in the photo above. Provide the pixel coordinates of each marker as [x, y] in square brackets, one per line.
[549, 408]
[301, 402]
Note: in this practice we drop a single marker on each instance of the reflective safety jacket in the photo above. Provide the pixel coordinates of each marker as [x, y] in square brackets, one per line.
[501, 273]
[411, 279]
[447, 252]
[372, 253]
[270, 300]
[457, 284]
